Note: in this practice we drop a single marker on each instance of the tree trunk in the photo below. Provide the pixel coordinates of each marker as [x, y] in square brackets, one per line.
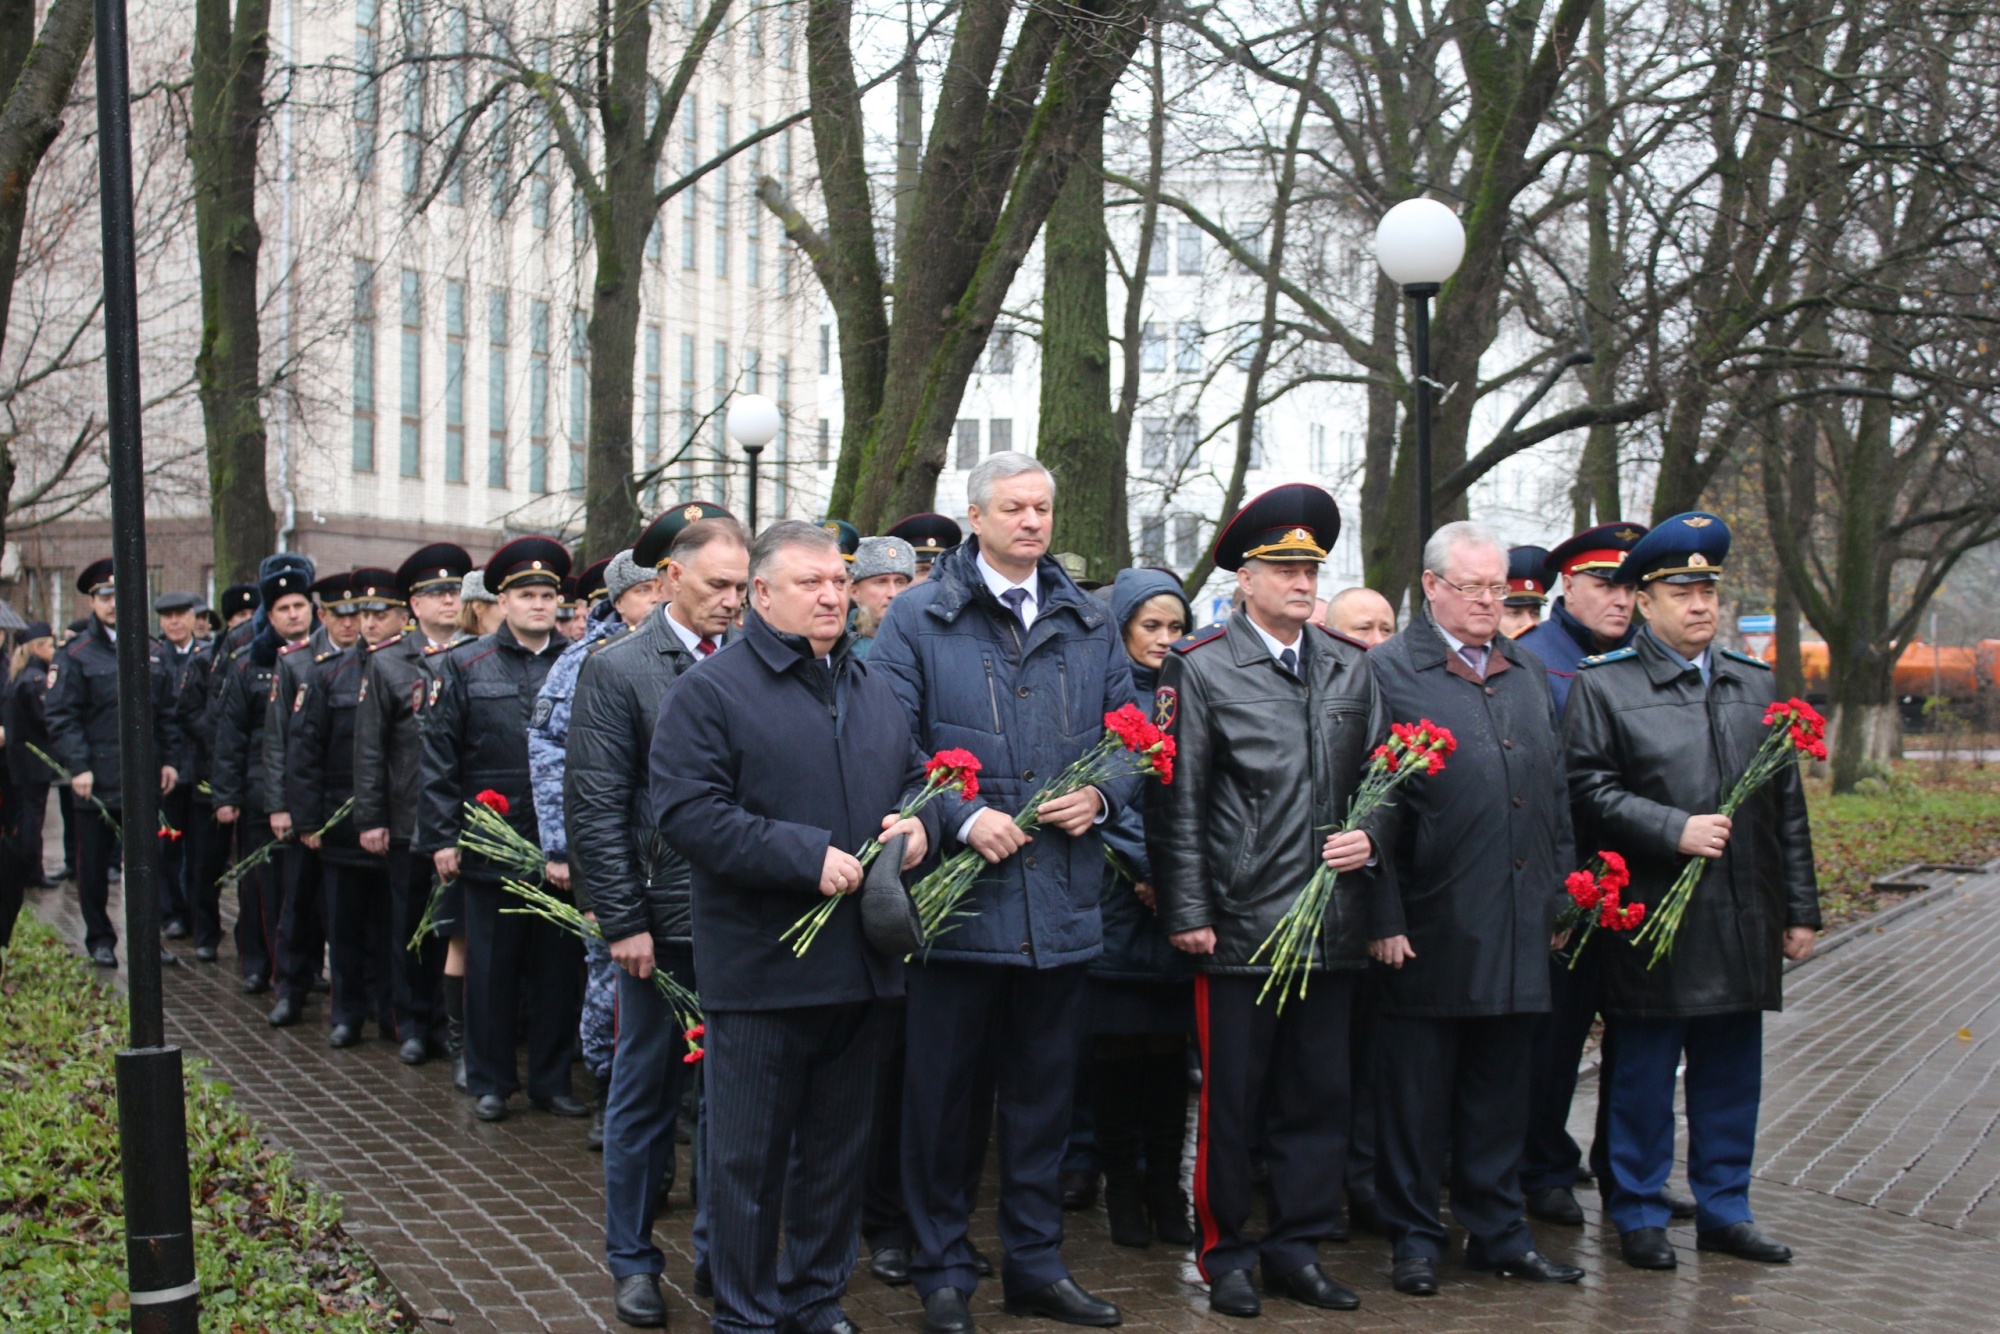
[1790, 665]
[227, 117]
[1596, 492]
[611, 497]
[1079, 438]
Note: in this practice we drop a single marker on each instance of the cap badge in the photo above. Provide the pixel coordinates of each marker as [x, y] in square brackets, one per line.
[534, 565]
[831, 527]
[1697, 561]
[1628, 535]
[1298, 535]
[691, 514]
[1698, 521]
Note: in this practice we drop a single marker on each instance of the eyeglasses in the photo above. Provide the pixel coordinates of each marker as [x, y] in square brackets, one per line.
[1474, 592]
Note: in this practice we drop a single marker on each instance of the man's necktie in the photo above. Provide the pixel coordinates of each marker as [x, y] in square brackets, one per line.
[1014, 598]
[705, 647]
[1289, 660]
[1475, 657]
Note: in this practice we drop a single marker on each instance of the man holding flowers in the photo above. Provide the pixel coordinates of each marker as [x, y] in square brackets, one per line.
[1274, 722]
[1662, 738]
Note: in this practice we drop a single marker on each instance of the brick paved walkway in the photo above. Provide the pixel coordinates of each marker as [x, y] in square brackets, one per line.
[1878, 1163]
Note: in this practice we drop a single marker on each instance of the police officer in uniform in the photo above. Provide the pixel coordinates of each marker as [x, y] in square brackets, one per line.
[388, 756]
[319, 783]
[1593, 615]
[82, 714]
[1654, 734]
[1274, 720]
[1527, 591]
[475, 738]
[930, 535]
[178, 651]
[237, 715]
[27, 724]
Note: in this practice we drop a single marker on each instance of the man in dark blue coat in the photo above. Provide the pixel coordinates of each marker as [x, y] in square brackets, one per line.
[790, 1041]
[1000, 653]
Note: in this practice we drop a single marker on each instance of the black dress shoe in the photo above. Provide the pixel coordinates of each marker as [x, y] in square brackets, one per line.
[1064, 1301]
[1310, 1286]
[593, 1139]
[490, 1107]
[1230, 1293]
[1679, 1205]
[1079, 1189]
[343, 1035]
[174, 929]
[562, 1104]
[639, 1303]
[945, 1312]
[255, 986]
[67, 873]
[205, 953]
[1557, 1204]
[890, 1265]
[1647, 1248]
[104, 957]
[413, 1052]
[840, 1326]
[1744, 1241]
[1415, 1277]
[285, 1013]
[980, 1264]
[168, 959]
[1534, 1267]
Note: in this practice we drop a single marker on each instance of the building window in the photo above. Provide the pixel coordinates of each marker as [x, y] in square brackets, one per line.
[1187, 539]
[367, 97]
[826, 349]
[1187, 347]
[825, 457]
[690, 201]
[753, 216]
[538, 397]
[1000, 352]
[753, 371]
[718, 488]
[364, 366]
[1156, 258]
[500, 159]
[687, 418]
[756, 17]
[542, 135]
[411, 460]
[496, 389]
[721, 178]
[650, 416]
[999, 435]
[1189, 248]
[1153, 443]
[454, 382]
[1152, 347]
[968, 443]
[1187, 441]
[787, 252]
[413, 100]
[780, 475]
[1153, 540]
[1257, 442]
[456, 97]
[579, 397]
[787, 33]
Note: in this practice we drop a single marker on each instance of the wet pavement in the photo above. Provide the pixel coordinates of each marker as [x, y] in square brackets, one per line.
[1878, 1162]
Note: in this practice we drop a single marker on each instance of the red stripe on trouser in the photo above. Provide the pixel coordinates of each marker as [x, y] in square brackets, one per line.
[1209, 1231]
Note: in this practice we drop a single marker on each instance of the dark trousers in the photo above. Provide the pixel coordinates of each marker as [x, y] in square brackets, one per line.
[1286, 1076]
[415, 974]
[885, 1219]
[66, 807]
[1361, 1136]
[1724, 1083]
[96, 845]
[258, 896]
[359, 943]
[1550, 1158]
[1460, 1087]
[1138, 1090]
[301, 921]
[208, 856]
[781, 1155]
[1024, 1026]
[518, 964]
[640, 1107]
[174, 859]
[34, 819]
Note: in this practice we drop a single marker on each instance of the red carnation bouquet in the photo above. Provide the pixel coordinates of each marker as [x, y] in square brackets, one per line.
[1795, 728]
[487, 834]
[1595, 900]
[947, 771]
[1412, 749]
[1132, 743]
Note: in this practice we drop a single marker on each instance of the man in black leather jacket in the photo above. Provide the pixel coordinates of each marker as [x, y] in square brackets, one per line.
[1655, 733]
[475, 738]
[1274, 721]
[637, 885]
[427, 993]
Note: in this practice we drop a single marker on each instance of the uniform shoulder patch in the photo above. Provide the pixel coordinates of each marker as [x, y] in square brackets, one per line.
[432, 650]
[330, 653]
[1208, 636]
[1335, 634]
[286, 650]
[1615, 655]
[1745, 657]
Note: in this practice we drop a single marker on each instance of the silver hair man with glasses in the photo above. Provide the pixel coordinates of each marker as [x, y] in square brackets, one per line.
[1477, 855]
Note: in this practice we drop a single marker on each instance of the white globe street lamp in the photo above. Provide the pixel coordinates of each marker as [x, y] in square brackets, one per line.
[1419, 244]
[753, 423]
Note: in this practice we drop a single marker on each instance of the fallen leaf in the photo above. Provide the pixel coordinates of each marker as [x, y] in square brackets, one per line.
[1965, 1035]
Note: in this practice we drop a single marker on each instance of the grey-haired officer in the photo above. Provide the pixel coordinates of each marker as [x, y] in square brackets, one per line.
[883, 567]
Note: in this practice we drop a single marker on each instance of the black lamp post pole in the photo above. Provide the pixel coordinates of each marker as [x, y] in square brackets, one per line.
[1420, 295]
[753, 451]
[152, 1112]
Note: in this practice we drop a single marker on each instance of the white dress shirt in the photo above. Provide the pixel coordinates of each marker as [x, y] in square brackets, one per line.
[1000, 583]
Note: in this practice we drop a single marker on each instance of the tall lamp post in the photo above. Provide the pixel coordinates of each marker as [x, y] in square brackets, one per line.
[1419, 244]
[753, 424]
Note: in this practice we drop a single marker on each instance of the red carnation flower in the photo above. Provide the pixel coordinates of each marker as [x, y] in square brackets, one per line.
[697, 1033]
[1616, 875]
[1387, 756]
[960, 769]
[1583, 889]
[692, 1057]
[493, 801]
